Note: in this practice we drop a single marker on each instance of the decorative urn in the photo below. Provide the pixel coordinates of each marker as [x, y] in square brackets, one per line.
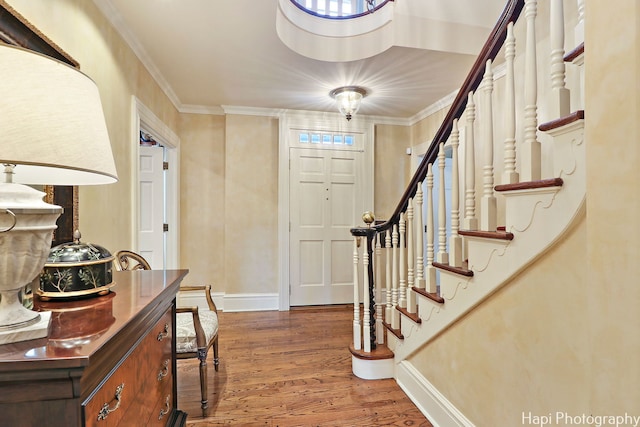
[76, 269]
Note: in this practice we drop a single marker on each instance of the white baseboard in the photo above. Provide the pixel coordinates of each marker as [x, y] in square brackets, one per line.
[190, 299]
[250, 302]
[231, 302]
[428, 399]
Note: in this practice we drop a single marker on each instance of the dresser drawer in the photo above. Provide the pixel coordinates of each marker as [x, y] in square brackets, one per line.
[162, 411]
[134, 389]
[157, 380]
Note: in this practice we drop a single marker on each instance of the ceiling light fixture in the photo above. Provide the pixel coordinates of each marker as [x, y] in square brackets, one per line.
[348, 99]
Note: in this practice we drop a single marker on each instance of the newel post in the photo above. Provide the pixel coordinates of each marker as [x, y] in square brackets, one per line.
[369, 301]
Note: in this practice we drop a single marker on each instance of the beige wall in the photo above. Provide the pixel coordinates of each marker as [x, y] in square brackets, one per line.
[79, 28]
[391, 167]
[424, 131]
[613, 230]
[251, 204]
[202, 198]
[524, 349]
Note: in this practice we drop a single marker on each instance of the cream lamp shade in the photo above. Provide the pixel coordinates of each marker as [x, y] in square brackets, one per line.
[52, 124]
[52, 131]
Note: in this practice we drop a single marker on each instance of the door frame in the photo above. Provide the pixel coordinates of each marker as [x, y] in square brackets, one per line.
[321, 121]
[143, 117]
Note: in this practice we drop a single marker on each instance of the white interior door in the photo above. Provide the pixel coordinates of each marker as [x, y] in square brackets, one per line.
[152, 193]
[326, 201]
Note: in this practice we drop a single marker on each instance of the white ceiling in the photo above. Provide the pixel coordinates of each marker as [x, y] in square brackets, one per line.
[212, 53]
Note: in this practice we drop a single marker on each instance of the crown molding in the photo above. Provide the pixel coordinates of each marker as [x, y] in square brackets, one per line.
[252, 111]
[434, 108]
[201, 109]
[112, 15]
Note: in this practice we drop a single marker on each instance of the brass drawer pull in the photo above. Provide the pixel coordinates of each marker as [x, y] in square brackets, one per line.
[105, 411]
[164, 371]
[162, 335]
[164, 412]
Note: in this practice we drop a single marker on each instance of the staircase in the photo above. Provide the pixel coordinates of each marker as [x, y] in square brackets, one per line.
[417, 278]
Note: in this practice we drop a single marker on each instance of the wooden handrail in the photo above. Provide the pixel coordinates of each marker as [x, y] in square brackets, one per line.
[489, 51]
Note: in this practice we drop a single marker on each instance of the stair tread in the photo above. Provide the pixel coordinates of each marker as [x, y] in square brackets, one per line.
[463, 271]
[569, 57]
[432, 296]
[497, 235]
[380, 352]
[530, 185]
[412, 316]
[395, 332]
[562, 121]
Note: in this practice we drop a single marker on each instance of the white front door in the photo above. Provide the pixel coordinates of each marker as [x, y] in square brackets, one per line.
[152, 203]
[326, 201]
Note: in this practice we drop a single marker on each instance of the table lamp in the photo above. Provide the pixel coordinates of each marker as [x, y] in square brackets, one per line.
[52, 132]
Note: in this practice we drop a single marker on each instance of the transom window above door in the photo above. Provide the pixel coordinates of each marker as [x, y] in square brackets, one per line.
[325, 138]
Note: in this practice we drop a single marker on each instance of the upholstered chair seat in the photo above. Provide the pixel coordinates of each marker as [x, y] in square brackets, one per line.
[186, 340]
[196, 329]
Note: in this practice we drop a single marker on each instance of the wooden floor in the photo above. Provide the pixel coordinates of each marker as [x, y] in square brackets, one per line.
[290, 369]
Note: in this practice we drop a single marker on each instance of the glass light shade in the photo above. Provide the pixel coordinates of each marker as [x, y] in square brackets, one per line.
[52, 124]
[348, 99]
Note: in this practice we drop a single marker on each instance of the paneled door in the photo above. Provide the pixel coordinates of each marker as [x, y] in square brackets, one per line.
[152, 204]
[326, 201]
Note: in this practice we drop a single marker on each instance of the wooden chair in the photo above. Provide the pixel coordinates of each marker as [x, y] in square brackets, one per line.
[196, 330]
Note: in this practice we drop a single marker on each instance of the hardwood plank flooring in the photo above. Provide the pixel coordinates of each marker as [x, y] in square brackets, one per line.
[290, 369]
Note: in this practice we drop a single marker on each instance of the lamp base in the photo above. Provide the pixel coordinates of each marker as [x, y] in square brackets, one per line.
[31, 332]
[26, 229]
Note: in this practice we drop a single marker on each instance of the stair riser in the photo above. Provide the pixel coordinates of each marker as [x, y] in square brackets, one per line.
[480, 252]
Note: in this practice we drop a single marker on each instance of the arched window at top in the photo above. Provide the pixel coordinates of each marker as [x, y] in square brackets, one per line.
[338, 9]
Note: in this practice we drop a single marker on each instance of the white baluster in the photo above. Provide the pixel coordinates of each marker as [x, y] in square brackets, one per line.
[411, 296]
[559, 100]
[455, 240]
[379, 304]
[389, 257]
[510, 176]
[488, 202]
[470, 220]
[579, 30]
[531, 150]
[357, 333]
[443, 256]
[366, 301]
[402, 290]
[395, 314]
[430, 274]
[579, 61]
[419, 239]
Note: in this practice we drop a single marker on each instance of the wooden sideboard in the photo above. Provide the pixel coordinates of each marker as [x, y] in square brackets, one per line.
[108, 360]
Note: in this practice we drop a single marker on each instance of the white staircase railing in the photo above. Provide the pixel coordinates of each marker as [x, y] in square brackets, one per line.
[480, 253]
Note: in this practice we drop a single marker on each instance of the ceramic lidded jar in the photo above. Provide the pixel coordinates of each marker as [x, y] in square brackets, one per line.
[76, 269]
